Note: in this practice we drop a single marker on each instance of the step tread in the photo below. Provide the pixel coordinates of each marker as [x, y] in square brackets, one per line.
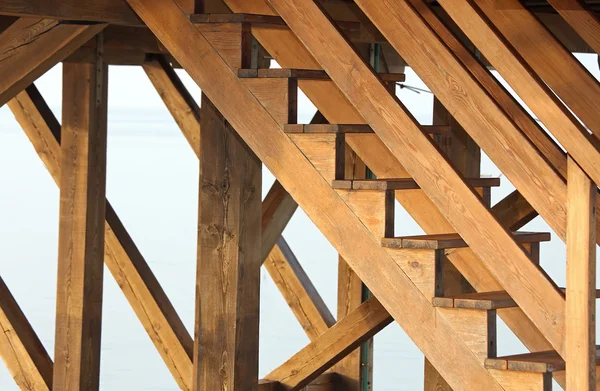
[402, 183]
[305, 74]
[353, 128]
[548, 361]
[258, 19]
[481, 300]
[453, 240]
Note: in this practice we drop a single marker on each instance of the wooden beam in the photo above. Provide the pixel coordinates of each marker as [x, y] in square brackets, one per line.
[548, 58]
[81, 228]
[345, 336]
[278, 209]
[30, 47]
[400, 132]
[581, 19]
[298, 291]
[229, 258]
[20, 348]
[316, 197]
[582, 146]
[122, 257]
[581, 282]
[176, 97]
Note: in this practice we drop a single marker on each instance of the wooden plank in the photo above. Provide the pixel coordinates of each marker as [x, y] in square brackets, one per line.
[446, 241]
[402, 183]
[20, 348]
[346, 335]
[324, 150]
[176, 97]
[581, 19]
[81, 228]
[478, 301]
[546, 361]
[549, 59]
[229, 258]
[30, 47]
[581, 281]
[303, 182]
[563, 125]
[523, 381]
[122, 257]
[477, 329]
[349, 128]
[398, 21]
[298, 291]
[278, 209]
[304, 74]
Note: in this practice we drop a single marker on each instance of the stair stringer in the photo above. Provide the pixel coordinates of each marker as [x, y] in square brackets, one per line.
[321, 203]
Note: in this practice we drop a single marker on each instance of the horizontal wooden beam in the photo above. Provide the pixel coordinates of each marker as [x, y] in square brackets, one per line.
[341, 339]
[30, 47]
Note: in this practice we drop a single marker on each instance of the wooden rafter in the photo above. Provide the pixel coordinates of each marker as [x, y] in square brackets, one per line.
[345, 336]
[30, 47]
[581, 19]
[21, 349]
[564, 126]
[530, 287]
[388, 282]
[551, 61]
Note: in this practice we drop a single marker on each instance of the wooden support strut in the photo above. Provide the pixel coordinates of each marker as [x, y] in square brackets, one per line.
[581, 19]
[581, 282]
[30, 47]
[81, 230]
[229, 259]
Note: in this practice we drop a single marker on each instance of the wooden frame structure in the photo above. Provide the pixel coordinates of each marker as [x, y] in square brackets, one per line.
[362, 153]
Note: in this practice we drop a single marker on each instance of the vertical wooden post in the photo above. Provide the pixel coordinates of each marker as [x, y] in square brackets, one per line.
[465, 155]
[581, 280]
[229, 230]
[81, 229]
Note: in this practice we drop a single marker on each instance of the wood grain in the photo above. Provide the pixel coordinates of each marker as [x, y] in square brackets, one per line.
[81, 228]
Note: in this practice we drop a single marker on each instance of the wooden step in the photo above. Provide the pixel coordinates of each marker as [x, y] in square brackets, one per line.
[481, 300]
[453, 240]
[402, 184]
[304, 74]
[540, 362]
[351, 128]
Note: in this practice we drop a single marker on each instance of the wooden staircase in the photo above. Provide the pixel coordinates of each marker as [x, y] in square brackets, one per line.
[468, 318]
[445, 288]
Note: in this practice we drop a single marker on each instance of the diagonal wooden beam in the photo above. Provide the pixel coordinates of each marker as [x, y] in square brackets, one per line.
[342, 338]
[30, 47]
[581, 19]
[548, 58]
[298, 291]
[582, 146]
[20, 348]
[122, 257]
[527, 284]
[314, 194]
[176, 97]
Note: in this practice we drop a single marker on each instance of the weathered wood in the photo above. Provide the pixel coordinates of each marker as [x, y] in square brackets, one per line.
[581, 19]
[122, 257]
[446, 241]
[298, 291]
[582, 146]
[278, 208]
[20, 348]
[349, 128]
[304, 74]
[479, 301]
[30, 47]
[346, 335]
[523, 381]
[303, 182]
[547, 361]
[581, 281]
[549, 59]
[476, 328]
[229, 258]
[178, 100]
[81, 228]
